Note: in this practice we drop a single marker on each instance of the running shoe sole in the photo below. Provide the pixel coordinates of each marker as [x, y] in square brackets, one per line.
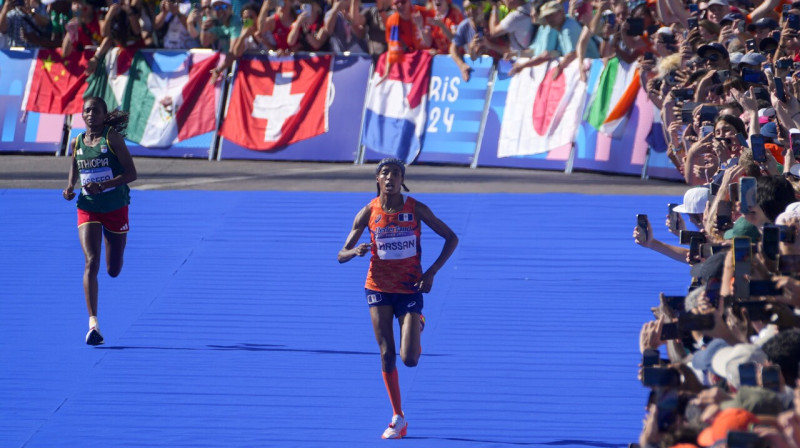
[93, 337]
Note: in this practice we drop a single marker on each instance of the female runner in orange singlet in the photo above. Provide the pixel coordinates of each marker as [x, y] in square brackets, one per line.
[395, 281]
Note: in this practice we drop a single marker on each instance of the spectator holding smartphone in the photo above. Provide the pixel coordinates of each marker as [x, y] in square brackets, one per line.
[220, 27]
[83, 30]
[171, 25]
[470, 38]
[370, 24]
[339, 26]
[24, 24]
[517, 24]
[308, 29]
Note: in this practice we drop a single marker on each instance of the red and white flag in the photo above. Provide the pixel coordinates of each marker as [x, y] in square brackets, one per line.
[278, 102]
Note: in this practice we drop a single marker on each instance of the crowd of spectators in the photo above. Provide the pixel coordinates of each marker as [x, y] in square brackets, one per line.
[721, 360]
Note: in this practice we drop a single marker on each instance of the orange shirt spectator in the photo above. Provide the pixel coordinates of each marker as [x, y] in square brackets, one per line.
[448, 17]
[402, 34]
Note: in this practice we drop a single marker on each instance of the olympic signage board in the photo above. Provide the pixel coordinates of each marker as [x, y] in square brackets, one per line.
[455, 110]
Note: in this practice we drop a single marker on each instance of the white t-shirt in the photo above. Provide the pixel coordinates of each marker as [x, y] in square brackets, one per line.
[177, 35]
[517, 24]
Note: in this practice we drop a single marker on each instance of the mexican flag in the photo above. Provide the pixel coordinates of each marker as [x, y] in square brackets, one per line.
[56, 84]
[110, 78]
[169, 97]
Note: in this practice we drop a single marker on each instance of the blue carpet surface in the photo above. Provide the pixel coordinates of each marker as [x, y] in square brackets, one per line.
[232, 324]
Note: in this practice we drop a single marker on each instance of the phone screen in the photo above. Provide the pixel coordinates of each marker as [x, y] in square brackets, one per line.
[651, 357]
[770, 378]
[741, 249]
[660, 377]
[757, 145]
[779, 92]
[687, 235]
[769, 244]
[733, 192]
[747, 374]
[642, 223]
[696, 322]
[794, 142]
[670, 332]
[724, 211]
[747, 194]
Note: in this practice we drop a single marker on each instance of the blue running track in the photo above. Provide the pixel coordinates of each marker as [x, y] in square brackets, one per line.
[233, 325]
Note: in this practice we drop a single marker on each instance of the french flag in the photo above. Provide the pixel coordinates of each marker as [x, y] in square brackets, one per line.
[394, 123]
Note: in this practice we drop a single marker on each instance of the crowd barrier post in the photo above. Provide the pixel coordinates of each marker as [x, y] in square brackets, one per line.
[360, 150]
[570, 159]
[216, 141]
[484, 115]
[66, 130]
[645, 176]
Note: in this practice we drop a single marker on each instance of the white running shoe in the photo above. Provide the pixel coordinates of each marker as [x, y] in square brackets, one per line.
[397, 428]
[93, 337]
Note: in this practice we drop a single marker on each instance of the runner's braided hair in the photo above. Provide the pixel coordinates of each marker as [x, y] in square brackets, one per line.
[116, 119]
[391, 161]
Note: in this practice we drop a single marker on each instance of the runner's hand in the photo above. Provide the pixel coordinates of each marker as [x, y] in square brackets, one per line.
[362, 249]
[68, 193]
[425, 284]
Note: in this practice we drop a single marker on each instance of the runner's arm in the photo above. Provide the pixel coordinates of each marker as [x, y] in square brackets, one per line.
[129, 169]
[437, 225]
[350, 250]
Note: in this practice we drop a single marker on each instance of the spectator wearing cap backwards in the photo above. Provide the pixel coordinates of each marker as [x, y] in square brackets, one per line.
[694, 205]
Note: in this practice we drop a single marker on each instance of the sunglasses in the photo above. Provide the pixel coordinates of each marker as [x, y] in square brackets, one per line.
[713, 57]
[221, 7]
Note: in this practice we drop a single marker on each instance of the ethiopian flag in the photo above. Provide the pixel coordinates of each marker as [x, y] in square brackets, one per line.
[169, 97]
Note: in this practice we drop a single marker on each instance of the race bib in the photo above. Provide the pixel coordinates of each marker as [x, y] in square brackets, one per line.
[397, 248]
[96, 175]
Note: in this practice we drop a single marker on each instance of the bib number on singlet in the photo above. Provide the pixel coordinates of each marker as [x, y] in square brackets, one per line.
[397, 248]
[96, 175]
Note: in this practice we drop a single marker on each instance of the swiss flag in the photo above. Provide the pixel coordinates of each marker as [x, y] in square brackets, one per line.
[278, 102]
[56, 85]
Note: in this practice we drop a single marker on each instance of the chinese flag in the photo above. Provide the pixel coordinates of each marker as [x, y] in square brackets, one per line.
[278, 102]
[56, 85]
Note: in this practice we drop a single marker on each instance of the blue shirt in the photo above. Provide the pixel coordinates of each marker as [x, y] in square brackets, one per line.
[564, 41]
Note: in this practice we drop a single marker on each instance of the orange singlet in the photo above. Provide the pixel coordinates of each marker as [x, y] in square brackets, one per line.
[395, 265]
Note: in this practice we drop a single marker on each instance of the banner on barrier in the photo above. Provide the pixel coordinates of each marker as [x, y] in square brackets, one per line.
[395, 119]
[345, 107]
[23, 131]
[277, 102]
[455, 110]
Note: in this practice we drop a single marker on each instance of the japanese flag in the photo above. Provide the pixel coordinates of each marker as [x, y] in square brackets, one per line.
[278, 102]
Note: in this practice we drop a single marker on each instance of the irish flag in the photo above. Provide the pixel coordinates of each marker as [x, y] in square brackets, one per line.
[169, 97]
[614, 97]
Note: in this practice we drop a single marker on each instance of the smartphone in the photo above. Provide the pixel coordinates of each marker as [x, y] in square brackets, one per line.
[786, 234]
[713, 189]
[696, 322]
[651, 357]
[779, 92]
[724, 212]
[708, 129]
[744, 439]
[741, 266]
[694, 250]
[611, 19]
[687, 112]
[687, 235]
[635, 26]
[750, 44]
[660, 377]
[692, 23]
[708, 249]
[771, 236]
[793, 21]
[675, 304]
[666, 409]
[794, 143]
[733, 192]
[642, 223]
[789, 264]
[757, 146]
[684, 95]
[742, 142]
[670, 332]
[747, 374]
[784, 63]
[708, 113]
[771, 378]
[753, 76]
[721, 76]
[764, 288]
[648, 56]
[306, 8]
[747, 193]
[693, 8]
[674, 217]
[756, 310]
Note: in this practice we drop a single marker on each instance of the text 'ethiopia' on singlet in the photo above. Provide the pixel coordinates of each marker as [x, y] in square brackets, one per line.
[99, 163]
[395, 263]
